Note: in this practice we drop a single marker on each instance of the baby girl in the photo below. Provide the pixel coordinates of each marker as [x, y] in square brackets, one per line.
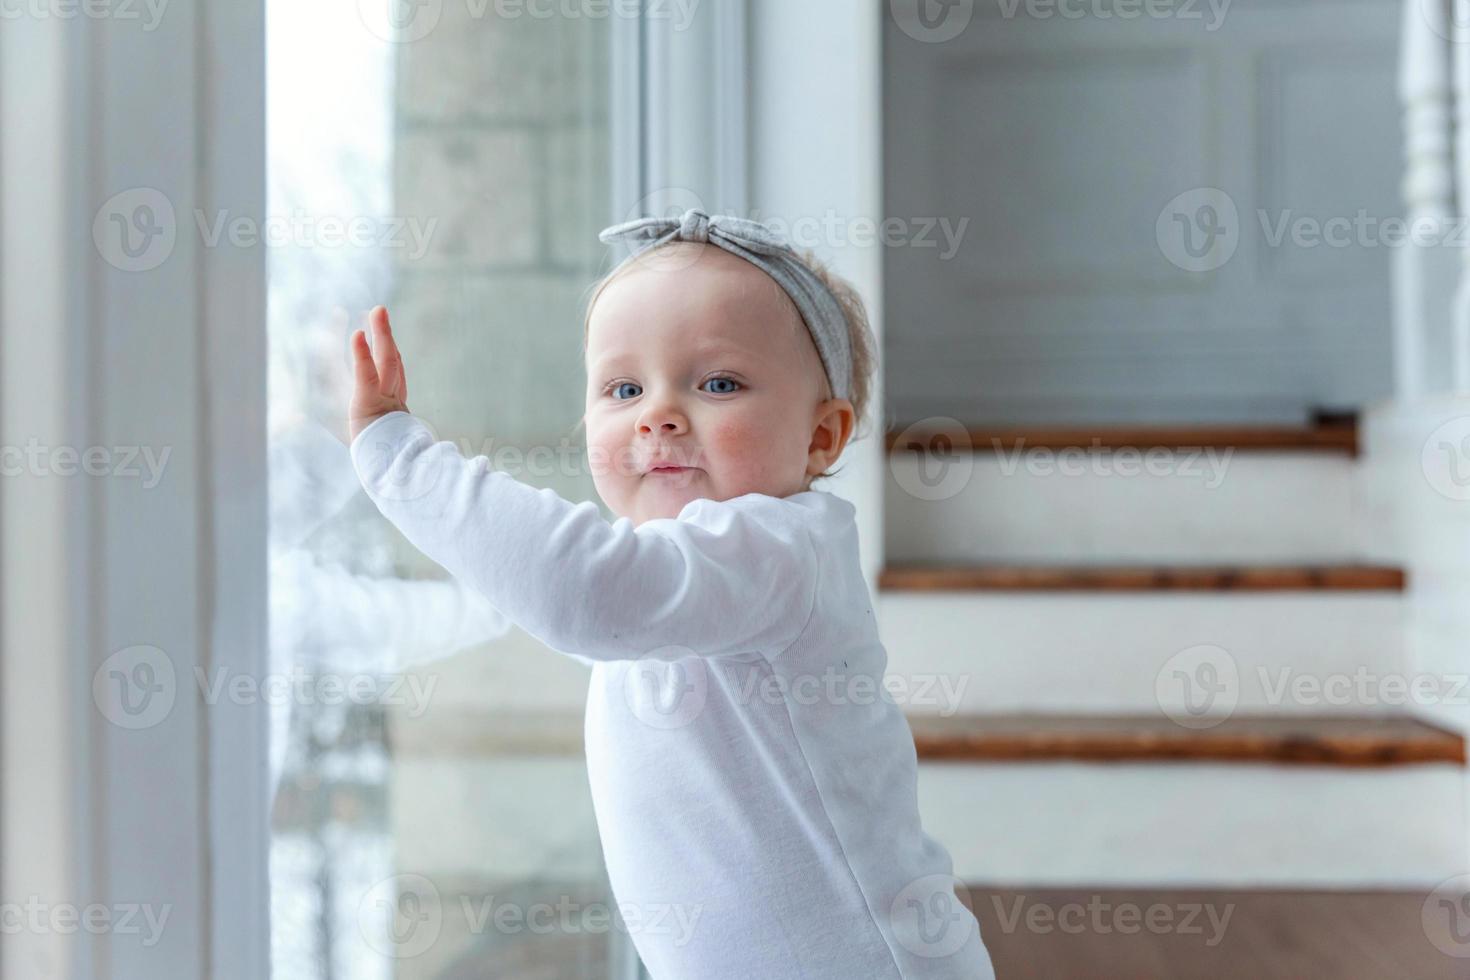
[738, 772]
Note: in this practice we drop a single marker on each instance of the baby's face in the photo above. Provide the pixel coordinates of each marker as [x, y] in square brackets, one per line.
[699, 361]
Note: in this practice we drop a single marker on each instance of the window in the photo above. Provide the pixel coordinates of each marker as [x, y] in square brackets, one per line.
[452, 161]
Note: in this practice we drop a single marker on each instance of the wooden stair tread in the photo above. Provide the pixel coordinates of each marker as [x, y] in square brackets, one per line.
[1336, 437]
[1339, 740]
[931, 577]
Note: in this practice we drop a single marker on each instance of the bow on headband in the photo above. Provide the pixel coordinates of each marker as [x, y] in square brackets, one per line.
[765, 248]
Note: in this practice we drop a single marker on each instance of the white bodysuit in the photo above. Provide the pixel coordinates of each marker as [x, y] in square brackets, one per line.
[754, 785]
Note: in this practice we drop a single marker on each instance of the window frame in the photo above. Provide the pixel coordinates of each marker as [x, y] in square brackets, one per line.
[177, 814]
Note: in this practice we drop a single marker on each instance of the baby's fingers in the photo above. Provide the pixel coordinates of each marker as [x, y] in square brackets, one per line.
[365, 374]
[390, 362]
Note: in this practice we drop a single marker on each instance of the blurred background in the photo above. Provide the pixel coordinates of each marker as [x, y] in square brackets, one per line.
[1165, 500]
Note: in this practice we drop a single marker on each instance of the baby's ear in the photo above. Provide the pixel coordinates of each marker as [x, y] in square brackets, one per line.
[833, 429]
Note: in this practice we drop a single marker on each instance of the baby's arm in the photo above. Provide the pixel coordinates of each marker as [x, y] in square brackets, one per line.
[739, 576]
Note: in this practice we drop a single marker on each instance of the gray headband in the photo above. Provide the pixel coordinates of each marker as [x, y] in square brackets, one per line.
[763, 247]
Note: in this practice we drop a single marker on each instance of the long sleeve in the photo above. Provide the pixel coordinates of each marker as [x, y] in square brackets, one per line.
[725, 577]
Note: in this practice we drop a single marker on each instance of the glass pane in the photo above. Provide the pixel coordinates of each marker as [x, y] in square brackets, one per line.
[431, 817]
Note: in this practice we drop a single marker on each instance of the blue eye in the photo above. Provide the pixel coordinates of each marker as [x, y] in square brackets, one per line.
[730, 381]
[620, 387]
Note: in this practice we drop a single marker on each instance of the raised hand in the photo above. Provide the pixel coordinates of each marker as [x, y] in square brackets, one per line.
[381, 387]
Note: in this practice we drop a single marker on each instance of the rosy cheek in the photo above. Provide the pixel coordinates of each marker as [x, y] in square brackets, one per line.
[730, 435]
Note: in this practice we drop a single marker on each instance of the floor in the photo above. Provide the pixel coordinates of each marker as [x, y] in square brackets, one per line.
[1194, 935]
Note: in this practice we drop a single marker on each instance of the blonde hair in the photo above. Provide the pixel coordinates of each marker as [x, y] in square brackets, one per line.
[859, 330]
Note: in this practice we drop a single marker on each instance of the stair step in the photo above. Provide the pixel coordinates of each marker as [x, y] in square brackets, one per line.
[1265, 934]
[1344, 740]
[1138, 497]
[1101, 652]
[921, 577]
[1333, 740]
[1333, 437]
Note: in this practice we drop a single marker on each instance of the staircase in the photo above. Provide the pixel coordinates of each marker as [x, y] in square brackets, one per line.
[1157, 657]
